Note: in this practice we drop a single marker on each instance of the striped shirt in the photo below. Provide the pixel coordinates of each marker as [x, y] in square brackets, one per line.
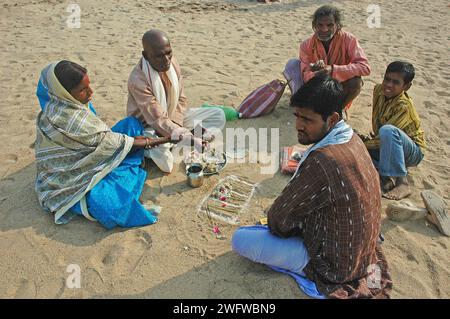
[334, 205]
[399, 112]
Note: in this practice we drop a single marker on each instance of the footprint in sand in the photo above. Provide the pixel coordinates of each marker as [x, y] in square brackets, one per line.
[226, 83]
[222, 73]
[411, 257]
[442, 83]
[422, 257]
[430, 183]
[186, 72]
[80, 57]
[429, 104]
[421, 82]
[433, 273]
[145, 238]
[434, 113]
[126, 256]
[113, 255]
[442, 93]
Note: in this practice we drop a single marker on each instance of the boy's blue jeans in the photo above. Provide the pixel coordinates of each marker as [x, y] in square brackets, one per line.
[397, 152]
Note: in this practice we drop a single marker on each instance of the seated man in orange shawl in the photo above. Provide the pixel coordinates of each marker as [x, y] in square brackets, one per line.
[329, 50]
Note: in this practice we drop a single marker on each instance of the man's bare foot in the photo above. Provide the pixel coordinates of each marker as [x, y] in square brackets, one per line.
[387, 184]
[398, 192]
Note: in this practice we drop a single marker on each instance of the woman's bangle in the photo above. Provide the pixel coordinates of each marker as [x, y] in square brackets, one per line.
[146, 142]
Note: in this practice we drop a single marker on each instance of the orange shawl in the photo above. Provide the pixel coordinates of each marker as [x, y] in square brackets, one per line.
[336, 53]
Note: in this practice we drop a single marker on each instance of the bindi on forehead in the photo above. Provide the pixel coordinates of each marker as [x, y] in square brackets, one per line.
[85, 81]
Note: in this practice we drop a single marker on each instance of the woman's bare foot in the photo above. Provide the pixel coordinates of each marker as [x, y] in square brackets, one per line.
[401, 190]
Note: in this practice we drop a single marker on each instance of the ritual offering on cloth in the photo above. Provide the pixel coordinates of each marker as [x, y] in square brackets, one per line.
[211, 160]
[228, 199]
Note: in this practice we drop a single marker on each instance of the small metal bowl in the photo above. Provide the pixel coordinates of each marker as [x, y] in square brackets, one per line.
[195, 175]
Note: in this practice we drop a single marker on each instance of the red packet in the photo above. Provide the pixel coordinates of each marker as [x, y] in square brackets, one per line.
[288, 163]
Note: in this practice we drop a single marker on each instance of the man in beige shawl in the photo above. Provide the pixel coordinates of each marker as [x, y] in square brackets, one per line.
[156, 97]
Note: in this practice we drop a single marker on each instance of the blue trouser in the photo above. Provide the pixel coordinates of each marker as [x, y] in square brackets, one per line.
[286, 255]
[114, 201]
[397, 152]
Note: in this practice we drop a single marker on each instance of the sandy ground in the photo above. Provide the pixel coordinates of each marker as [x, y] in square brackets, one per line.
[226, 49]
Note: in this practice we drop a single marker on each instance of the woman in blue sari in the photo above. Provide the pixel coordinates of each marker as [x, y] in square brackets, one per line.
[83, 167]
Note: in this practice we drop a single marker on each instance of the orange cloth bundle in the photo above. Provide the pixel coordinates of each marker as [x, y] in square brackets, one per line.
[289, 158]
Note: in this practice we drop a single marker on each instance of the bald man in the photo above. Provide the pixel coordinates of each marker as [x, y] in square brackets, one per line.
[156, 97]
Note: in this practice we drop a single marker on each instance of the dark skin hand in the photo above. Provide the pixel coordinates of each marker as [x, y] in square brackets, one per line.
[147, 142]
[365, 137]
[327, 69]
[204, 133]
[320, 67]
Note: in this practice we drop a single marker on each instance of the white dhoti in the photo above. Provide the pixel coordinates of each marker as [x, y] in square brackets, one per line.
[210, 118]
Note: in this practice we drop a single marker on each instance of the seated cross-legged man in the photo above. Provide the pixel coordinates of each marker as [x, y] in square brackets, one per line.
[330, 50]
[156, 97]
[323, 228]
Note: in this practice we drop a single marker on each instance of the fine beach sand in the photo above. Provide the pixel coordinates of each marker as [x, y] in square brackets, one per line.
[225, 49]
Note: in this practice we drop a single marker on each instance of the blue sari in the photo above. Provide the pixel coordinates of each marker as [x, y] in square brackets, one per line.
[114, 201]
